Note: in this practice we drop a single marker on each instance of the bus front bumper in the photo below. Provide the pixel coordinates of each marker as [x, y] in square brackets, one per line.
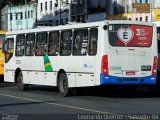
[112, 80]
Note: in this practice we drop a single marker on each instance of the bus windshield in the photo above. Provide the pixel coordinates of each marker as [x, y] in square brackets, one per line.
[130, 35]
[2, 38]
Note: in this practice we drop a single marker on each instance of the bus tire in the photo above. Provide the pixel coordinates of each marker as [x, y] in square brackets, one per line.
[21, 85]
[63, 85]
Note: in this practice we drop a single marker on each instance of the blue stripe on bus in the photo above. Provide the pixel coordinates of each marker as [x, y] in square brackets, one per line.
[112, 80]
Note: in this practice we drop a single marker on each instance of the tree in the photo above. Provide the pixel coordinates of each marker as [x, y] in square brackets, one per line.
[3, 3]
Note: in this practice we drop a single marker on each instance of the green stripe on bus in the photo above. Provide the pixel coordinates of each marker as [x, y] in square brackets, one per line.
[47, 64]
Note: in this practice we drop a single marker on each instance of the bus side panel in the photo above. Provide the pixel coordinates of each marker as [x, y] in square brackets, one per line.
[83, 80]
[9, 76]
[49, 78]
[71, 79]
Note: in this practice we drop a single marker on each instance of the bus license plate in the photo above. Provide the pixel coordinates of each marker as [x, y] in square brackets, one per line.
[131, 73]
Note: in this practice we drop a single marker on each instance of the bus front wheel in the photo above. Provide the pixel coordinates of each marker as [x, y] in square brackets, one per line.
[63, 85]
[21, 85]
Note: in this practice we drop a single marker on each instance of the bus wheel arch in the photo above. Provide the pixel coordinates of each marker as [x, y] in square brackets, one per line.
[18, 70]
[62, 84]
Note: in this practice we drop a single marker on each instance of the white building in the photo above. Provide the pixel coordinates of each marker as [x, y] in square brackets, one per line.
[18, 17]
[53, 12]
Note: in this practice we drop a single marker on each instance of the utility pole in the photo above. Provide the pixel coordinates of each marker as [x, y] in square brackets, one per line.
[26, 14]
[60, 14]
[10, 16]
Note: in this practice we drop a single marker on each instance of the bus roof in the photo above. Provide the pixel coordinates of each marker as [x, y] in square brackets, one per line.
[77, 25]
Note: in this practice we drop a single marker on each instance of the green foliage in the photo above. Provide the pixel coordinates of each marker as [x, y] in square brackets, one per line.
[3, 3]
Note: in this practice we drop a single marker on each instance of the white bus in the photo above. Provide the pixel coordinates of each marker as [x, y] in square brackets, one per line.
[82, 55]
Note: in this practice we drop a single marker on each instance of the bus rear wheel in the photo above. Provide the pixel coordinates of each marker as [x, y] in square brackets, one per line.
[63, 85]
[21, 85]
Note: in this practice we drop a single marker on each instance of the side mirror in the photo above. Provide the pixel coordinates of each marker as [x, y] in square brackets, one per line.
[4, 47]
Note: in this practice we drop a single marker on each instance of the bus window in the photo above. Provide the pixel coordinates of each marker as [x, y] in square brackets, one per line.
[41, 44]
[30, 45]
[66, 42]
[53, 45]
[9, 49]
[80, 42]
[20, 45]
[93, 41]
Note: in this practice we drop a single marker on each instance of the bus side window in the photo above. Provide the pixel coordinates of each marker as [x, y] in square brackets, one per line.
[41, 44]
[80, 42]
[53, 45]
[20, 40]
[30, 45]
[66, 42]
[93, 41]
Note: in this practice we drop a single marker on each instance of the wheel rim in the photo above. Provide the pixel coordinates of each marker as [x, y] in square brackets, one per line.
[63, 85]
[20, 80]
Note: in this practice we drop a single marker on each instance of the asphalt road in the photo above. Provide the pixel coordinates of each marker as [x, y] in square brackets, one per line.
[45, 102]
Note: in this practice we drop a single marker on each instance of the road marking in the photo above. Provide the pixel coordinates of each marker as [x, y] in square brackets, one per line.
[62, 105]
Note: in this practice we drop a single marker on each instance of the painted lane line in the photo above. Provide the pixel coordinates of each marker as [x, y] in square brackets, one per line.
[62, 105]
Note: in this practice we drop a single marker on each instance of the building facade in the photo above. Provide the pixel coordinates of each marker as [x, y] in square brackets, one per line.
[53, 12]
[22, 17]
[18, 17]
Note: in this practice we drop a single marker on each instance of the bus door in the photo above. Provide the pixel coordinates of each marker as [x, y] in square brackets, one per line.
[9, 49]
[131, 50]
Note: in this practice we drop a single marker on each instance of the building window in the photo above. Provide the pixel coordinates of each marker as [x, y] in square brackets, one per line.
[11, 18]
[50, 5]
[56, 22]
[25, 14]
[41, 45]
[16, 16]
[53, 45]
[146, 1]
[31, 13]
[66, 20]
[61, 22]
[93, 41]
[21, 15]
[20, 40]
[45, 5]
[146, 18]
[80, 43]
[141, 1]
[41, 6]
[30, 45]
[28, 14]
[140, 19]
[136, 19]
[66, 42]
